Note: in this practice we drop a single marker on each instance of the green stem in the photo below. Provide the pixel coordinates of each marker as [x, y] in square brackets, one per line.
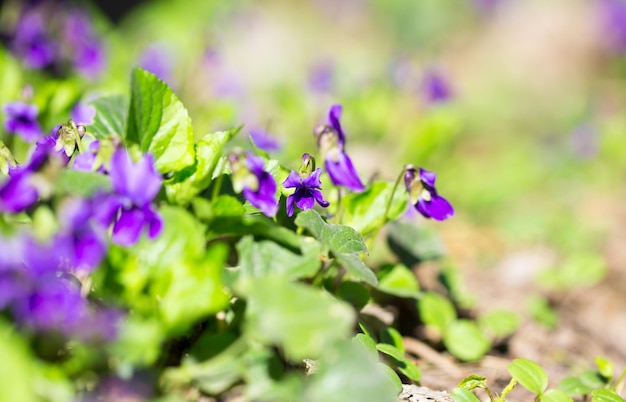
[383, 219]
[217, 187]
[511, 385]
[621, 378]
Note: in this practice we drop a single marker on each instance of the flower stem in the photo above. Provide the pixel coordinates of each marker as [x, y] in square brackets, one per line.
[383, 219]
[217, 187]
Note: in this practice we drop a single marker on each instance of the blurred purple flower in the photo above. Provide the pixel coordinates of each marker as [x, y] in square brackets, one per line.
[135, 185]
[435, 87]
[263, 194]
[331, 141]
[307, 185]
[264, 141]
[86, 160]
[24, 185]
[158, 59]
[35, 283]
[85, 239]
[321, 77]
[21, 119]
[83, 113]
[584, 141]
[423, 195]
[86, 51]
[613, 22]
[31, 42]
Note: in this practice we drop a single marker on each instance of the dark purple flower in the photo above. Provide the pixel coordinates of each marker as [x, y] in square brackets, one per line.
[264, 141]
[435, 87]
[260, 192]
[423, 195]
[31, 41]
[135, 186]
[307, 185]
[83, 113]
[334, 118]
[331, 141]
[21, 119]
[18, 192]
[342, 172]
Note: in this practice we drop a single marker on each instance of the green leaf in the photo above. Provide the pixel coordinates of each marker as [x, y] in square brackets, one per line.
[436, 311]
[392, 376]
[266, 258]
[354, 293]
[349, 373]
[17, 369]
[555, 395]
[465, 341]
[391, 336]
[593, 379]
[390, 350]
[81, 183]
[605, 367]
[463, 395]
[605, 395]
[367, 342]
[364, 211]
[183, 187]
[159, 123]
[111, 116]
[529, 374]
[581, 269]
[573, 386]
[409, 369]
[343, 242]
[414, 244]
[257, 225]
[139, 341]
[399, 281]
[303, 320]
[499, 323]
[190, 290]
[473, 381]
[540, 310]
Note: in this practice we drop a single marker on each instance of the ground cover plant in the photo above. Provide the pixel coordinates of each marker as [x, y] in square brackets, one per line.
[159, 241]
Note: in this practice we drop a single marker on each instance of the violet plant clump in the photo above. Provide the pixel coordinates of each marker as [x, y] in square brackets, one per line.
[125, 236]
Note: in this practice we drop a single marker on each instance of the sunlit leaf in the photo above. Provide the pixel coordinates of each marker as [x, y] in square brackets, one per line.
[555, 395]
[473, 381]
[499, 323]
[463, 395]
[111, 116]
[529, 374]
[436, 311]
[399, 281]
[465, 341]
[159, 123]
[342, 241]
[605, 395]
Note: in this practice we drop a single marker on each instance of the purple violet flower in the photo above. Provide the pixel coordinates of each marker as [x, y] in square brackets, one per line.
[87, 53]
[331, 141]
[261, 192]
[85, 240]
[264, 141]
[36, 285]
[83, 113]
[321, 77]
[21, 119]
[423, 195]
[129, 208]
[307, 185]
[158, 59]
[31, 42]
[25, 185]
[435, 88]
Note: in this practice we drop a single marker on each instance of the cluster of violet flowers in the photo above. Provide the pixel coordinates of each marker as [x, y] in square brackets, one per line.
[260, 189]
[49, 36]
[44, 279]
